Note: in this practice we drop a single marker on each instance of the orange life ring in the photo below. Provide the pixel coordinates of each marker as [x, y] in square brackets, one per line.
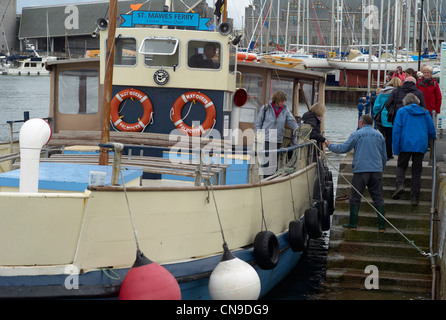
[116, 118]
[175, 113]
[246, 56]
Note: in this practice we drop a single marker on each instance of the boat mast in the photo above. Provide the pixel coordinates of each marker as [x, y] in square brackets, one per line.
[225, 11]
[108, 82]
[420, 41]
[370, 27]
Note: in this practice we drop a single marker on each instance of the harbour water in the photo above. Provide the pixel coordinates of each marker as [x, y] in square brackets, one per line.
[19, 94]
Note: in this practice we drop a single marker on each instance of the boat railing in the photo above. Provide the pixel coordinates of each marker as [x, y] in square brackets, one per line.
[210, 166]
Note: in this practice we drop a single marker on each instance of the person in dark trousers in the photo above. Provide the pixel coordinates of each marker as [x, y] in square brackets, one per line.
[397, 96]
[272, 118]
[369, 161]
[411, 129]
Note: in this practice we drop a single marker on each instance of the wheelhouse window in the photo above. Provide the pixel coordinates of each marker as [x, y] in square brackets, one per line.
[160, 52]
[125, 52]
[203, 54]
[78, 91]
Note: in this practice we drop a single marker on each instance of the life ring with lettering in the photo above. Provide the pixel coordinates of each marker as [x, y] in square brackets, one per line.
[175, 113]
[117, 119]
[266, 250]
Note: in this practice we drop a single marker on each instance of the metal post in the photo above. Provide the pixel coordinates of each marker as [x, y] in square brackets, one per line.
[421, 35]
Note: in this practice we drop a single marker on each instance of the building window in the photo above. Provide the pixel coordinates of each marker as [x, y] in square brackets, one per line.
[293, 5]
[319, 5]
[78, 91]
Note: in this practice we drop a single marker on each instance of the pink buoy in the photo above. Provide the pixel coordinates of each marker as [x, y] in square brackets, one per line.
[147, 280]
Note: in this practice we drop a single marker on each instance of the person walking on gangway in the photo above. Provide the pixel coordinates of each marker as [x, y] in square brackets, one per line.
[369, 161]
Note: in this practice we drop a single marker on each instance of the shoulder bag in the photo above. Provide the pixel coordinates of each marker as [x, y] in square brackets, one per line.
[377, 116]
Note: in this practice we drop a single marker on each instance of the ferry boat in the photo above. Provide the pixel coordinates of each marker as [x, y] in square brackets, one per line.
[157, 159]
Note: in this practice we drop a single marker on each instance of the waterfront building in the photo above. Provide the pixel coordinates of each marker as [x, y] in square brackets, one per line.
[8, 26]
[65, 30]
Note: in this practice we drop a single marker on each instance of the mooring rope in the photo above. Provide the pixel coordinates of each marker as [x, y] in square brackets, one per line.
[130, 211]
[208, 186]
[411, 242]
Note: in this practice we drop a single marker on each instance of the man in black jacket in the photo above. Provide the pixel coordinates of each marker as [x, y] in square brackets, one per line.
[397, 95]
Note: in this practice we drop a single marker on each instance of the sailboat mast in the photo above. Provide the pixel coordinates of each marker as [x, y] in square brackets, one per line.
[108, 82]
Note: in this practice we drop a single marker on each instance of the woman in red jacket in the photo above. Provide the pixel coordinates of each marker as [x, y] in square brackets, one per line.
[430, 89]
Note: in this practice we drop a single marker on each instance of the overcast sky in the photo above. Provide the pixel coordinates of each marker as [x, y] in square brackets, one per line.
[236, 7]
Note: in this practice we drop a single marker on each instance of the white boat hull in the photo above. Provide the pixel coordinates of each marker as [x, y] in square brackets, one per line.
[375, 66]
[26, 72]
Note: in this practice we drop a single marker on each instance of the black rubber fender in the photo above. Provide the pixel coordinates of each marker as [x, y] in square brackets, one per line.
[313, 223]
[266, 250]
[329, 196]
[297, 235]
[324, 216]
[328, 176]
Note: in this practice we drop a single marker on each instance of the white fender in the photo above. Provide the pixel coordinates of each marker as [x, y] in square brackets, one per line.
[234, 279]
[34, 134]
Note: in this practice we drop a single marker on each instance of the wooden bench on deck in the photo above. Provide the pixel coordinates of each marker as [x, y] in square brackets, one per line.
[143, 139]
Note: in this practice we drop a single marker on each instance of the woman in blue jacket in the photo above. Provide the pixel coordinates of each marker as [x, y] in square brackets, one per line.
[385, 127]
[412, 127]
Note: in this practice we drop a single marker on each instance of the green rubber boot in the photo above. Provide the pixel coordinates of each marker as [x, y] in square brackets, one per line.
[381, 221]
[354, 210]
